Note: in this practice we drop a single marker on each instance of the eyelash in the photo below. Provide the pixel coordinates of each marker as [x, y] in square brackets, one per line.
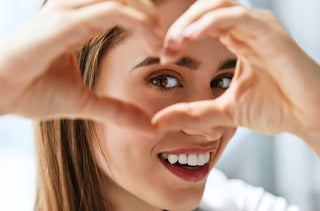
[228, 76]
[179, 82]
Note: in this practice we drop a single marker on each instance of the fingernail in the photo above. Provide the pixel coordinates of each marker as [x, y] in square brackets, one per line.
[168, 55]
[164, 60]
[167, 59]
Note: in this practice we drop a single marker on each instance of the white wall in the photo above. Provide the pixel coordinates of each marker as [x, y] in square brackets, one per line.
[17, 157]
[298, 172]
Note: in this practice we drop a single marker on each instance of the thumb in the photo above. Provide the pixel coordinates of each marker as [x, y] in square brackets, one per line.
[108, 109]
[195, 115]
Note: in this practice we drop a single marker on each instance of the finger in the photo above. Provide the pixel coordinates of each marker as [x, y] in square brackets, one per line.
[173, 40]
[65, 96]
[195, 115]
[196, 11]
[106, 109]
[227, 20]
[145, 6]
[91, 20]
[70, 4]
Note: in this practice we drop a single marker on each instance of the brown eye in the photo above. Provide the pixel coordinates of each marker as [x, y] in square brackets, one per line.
[165, 81]
[221, 83]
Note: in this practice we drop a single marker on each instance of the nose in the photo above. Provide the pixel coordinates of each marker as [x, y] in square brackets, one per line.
[209, 134]
[200, 93]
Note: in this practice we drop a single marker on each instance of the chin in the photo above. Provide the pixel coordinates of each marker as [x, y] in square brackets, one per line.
[186, 199]
[185, 205]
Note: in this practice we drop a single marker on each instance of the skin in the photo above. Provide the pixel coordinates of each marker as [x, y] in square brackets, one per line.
[137, 175]
[276, 85]
[267, 58]
[51, 87]
[275, 88]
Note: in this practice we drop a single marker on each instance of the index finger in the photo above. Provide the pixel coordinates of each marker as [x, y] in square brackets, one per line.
[145, 6]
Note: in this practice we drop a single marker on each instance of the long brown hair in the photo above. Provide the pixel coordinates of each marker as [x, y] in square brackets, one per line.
[68, 176]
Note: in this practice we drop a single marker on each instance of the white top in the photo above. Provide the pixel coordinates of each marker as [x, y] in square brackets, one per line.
[222, 194]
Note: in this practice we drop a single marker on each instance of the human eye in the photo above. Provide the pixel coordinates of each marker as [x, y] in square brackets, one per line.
[222, 82]
[165, 81]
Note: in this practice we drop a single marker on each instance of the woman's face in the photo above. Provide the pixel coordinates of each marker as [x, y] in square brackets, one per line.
[167, 171]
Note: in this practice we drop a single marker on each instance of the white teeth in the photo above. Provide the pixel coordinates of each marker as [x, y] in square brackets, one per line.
[164, 156]
[201, 160]
[172, 158]
[207, 157]
[192, 160]
[183, 159]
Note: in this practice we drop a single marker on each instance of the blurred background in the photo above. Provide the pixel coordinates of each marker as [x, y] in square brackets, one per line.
[282, 165]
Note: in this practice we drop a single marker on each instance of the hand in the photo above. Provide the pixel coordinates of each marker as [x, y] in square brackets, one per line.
[39, 77]
[276, 86]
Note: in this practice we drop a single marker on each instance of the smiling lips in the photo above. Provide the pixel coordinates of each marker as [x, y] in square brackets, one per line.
[189, 160]
[190, 167]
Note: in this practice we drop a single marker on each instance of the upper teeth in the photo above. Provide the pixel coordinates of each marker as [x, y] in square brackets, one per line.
[190, 159]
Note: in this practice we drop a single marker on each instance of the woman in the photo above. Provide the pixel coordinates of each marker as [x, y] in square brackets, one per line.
[131, 165]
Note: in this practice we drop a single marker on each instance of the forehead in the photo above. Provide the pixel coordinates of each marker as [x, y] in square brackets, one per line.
[128, 54]
[131, 51]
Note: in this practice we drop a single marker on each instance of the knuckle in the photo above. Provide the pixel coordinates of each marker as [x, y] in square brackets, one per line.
[145, 20]
[243, 12]
[113, 7]
[192, 112]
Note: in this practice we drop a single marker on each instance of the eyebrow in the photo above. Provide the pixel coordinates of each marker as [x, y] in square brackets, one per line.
[230, 63]
[157, 2]
[187, 62]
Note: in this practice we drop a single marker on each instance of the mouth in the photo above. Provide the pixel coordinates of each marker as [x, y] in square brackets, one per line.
[188, 166]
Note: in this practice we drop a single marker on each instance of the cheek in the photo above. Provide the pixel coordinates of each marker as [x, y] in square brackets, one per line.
[151, 100]
[122, 147]
[228, 134]
[226, 137]
[133, 165]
